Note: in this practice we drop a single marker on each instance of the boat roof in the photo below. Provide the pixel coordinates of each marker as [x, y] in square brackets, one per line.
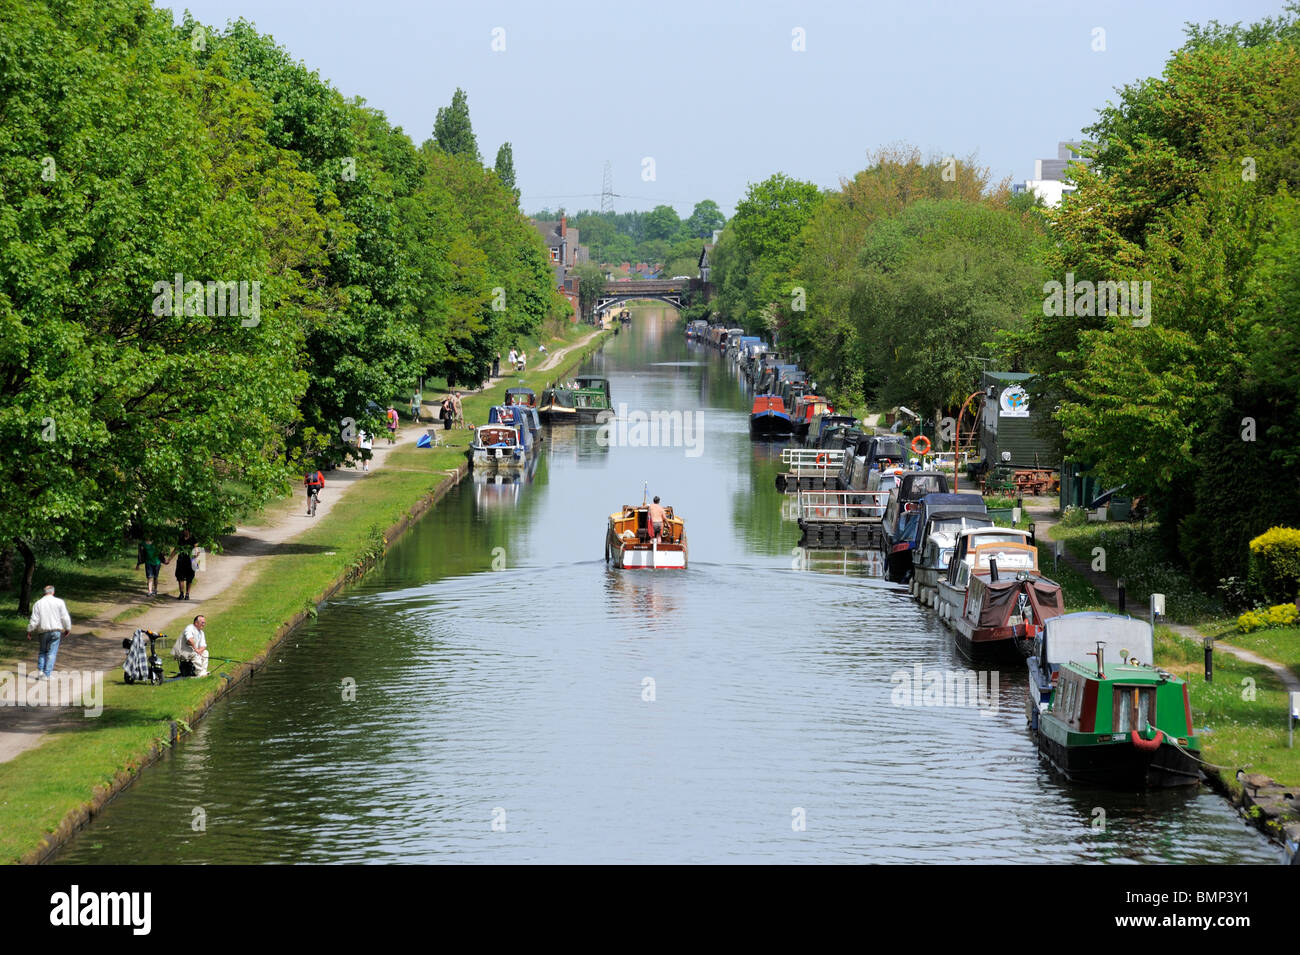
[1000, 530]
[520, 391]
[953, 499]
[1072, 636]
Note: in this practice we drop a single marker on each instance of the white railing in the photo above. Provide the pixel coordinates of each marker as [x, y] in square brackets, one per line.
[841, 507]
[802, 458]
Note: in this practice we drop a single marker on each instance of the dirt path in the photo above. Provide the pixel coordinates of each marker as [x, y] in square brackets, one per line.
[95, 644]
[1105, 584]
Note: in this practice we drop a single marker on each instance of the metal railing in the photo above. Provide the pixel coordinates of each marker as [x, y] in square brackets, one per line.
[841, 507]
[830, 458]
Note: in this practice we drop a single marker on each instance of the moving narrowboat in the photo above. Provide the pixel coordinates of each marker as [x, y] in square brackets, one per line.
[1102, 713]
[631, 545]
[768, 419]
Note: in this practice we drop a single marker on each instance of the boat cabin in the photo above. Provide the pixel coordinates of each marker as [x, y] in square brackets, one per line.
[633, 523]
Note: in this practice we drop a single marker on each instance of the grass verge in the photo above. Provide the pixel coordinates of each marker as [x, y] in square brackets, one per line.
[46, 791]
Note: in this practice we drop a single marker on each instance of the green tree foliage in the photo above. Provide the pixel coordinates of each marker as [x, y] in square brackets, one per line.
[1190, 191]
[452, 131]
[662, 222]
[706, 219]
[133, 151]
[505, 168]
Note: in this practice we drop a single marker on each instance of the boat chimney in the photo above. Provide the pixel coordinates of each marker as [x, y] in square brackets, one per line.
[993, 569]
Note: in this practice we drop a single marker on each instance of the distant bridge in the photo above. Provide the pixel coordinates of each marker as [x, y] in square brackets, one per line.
[660, 290]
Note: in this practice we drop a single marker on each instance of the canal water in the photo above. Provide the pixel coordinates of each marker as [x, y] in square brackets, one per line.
[493, 693]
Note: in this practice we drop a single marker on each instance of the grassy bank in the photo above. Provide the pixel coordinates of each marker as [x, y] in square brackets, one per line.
[1245, 706]
[45, 790]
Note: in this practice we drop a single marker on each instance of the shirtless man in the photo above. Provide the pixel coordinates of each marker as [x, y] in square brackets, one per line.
[657, 517]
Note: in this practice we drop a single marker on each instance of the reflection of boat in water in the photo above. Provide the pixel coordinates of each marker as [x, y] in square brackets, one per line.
[847, 563]
[630, 542]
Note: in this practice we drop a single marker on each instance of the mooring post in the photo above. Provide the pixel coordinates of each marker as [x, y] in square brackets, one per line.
[1209, 659]
[1119, 599]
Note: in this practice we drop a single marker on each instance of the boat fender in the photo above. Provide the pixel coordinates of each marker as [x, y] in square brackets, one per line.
[1149, 745]
[921, 444]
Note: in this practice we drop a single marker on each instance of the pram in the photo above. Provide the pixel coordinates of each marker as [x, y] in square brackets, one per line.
[142, 666]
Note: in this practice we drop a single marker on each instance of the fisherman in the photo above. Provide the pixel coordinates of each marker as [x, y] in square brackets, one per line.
[657, 516]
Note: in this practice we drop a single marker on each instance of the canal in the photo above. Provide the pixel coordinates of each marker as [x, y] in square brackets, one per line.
[493, 693]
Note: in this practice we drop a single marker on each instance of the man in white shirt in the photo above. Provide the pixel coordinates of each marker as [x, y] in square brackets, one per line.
[197, 645]
[51, 620]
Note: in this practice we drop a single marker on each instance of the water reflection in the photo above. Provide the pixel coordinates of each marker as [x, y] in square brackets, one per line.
[499, 664]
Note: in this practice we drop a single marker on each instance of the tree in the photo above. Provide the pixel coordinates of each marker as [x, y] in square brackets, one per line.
[505, 168]
[706, 219]
[661, 223]
[452, 130]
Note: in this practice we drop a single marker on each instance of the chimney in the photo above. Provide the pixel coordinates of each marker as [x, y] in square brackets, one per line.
[564, 226]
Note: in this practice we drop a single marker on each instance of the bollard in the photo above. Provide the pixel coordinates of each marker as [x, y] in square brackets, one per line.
[1119, 599]
[1209, 659]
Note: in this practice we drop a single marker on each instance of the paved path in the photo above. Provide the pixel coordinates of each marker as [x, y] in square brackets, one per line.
[95, 644]
[1044, 520]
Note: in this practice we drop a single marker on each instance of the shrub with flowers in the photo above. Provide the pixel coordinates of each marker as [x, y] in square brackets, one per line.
[1283, 615]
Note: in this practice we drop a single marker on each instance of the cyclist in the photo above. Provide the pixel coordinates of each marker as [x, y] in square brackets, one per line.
[314, 481]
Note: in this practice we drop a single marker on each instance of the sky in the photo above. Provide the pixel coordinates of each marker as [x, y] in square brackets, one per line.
[696, 100]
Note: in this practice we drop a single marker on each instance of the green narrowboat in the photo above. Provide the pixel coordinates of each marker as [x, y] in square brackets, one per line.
[1122, 724]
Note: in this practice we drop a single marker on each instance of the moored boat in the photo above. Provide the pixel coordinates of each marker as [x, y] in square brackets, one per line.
[769, 419]
[630, 543]
[1102, 713]
[497, 447]
[558, 406]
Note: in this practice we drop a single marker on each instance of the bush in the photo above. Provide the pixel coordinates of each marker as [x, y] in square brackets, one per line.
[1275, 564]
[1282, 615]
[1074, 517]
[1236, 593]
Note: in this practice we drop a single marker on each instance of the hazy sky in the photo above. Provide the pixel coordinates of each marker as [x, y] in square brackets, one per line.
[717, 95]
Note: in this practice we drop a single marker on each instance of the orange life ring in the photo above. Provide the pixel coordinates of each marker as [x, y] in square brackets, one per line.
[921, 444]
[1150, 745]
[821, 458]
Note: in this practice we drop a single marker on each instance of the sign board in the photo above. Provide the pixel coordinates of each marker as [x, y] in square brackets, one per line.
[1013, 402]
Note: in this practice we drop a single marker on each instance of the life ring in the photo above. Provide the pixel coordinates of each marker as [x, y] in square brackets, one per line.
[1150, 745]
[821, 458]
[921, 445]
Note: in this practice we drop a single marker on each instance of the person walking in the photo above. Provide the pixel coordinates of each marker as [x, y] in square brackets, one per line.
[185, 552]
[457, 412]
[417, 400]
[496, 366]
[51, 620]
[150, 554]
[392, 424]
[365, 445]
[447, 413]
[513, 358]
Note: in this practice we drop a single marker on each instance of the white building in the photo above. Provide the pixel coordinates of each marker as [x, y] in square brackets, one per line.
[1051, 176]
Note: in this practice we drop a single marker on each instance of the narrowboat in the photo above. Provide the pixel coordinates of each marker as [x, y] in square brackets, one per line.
[934, 551]
[630, 545]
[519, 417]
[768, 419]
[905, 539]
[1009, 546]
[807, 407]
[497, 447]
[1004, 611]
[591, 398]
[558, 406]
[1102, 713]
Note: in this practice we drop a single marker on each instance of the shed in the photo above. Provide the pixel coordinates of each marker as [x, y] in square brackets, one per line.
[1011, 426]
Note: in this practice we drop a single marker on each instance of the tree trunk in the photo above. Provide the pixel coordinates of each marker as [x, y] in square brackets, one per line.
[29, 568]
